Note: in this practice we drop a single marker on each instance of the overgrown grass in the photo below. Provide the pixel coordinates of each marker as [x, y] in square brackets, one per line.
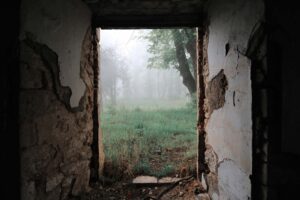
[149, 142]
[152, 104]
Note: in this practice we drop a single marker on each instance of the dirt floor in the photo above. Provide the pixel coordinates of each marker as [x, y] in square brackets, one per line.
[185, 189]
[175, 157]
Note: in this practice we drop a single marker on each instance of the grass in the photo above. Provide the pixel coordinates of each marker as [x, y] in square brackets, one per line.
[151, 104]
[148, 141]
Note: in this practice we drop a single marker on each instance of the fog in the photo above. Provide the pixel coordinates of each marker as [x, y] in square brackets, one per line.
[125, 78]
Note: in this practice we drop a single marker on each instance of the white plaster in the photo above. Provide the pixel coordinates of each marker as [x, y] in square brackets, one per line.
[229, 129]
[230, 21]
[232, 189]
[61, 25]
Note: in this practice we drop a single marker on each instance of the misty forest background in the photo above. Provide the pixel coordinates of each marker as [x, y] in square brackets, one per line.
[148, 114]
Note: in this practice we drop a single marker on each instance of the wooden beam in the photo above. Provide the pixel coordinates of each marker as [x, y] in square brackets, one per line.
[146, 21]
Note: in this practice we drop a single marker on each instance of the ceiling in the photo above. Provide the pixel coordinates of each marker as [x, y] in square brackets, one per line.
[145, 13]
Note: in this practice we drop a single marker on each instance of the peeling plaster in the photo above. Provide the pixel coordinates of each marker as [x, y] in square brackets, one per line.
[228, 123]
[58, 148]
[59, 25]
[50, 60]
[215, 92]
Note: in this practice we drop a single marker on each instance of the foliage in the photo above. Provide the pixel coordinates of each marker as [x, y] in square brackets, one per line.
[174, 48]
[142, 167]
[162, 49]
[192, 104]
[167, 170]
[111, 109]
[113, 69]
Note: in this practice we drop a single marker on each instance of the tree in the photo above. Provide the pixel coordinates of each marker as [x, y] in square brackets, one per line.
[113, 70]
[174, 48]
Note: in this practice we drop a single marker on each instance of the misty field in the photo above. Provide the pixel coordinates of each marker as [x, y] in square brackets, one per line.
[148, 116]
[148, 141]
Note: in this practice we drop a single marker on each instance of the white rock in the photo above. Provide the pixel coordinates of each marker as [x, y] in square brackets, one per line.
[181, 194]
[144, 179]
[168, 180]
[203, 196]
[203, 182]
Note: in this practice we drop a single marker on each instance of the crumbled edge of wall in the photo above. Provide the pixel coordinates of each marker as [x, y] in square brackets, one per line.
[215, 90]
[101, 155]
[55, 140]
[214, 99]
[211, 97]
[97, 161]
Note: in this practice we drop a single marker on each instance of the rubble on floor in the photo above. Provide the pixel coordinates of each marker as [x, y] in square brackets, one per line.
[151, 188]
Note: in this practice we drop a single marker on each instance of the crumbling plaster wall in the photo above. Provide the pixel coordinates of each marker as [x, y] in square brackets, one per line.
[60, 25]
[57, 59]
[229, 123]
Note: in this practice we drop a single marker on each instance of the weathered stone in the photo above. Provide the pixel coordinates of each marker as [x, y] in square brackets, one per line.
[203, 196]
[34, 104]
[81, 182]
[144, 179]
[35, 160]
[31, 78]
[33, 72]
[53, 181]
[28, 135]
[71, 153]
[54, 194]
[168, 180]
[212, 182]
[28, 190]
[66, 186]
[55, 139]
[72, 168]
[181, 194]
[211, 159]
[67, 181]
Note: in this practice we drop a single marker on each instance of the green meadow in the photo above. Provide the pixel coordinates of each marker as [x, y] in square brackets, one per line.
[149, 140]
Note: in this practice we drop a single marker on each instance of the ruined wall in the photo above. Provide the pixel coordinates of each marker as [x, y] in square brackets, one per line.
[57, 59]
[61, 25]
[228, 97]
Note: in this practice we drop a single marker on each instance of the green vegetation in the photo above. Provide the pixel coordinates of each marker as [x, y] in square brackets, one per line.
[174, 48]
[148, 97]
[143, 141]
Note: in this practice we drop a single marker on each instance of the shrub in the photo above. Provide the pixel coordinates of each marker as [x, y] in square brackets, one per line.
[142, 167]
[167, 170]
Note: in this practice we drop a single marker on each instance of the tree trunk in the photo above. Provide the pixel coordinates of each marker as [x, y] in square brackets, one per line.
[188, 79]
[191, 49]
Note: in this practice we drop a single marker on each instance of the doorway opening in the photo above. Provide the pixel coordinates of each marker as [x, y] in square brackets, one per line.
[148, 108]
